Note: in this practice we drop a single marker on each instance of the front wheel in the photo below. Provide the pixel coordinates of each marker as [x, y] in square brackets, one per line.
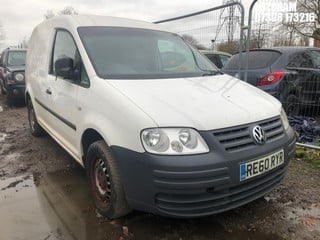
[105, 181]
[2, 92]
[35, 128]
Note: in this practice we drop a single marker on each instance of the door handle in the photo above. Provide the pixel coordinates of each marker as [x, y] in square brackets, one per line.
[48, 91]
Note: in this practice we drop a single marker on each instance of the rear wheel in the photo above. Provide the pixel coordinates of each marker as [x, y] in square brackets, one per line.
[291, 105]
[105, 181]
[35, 128]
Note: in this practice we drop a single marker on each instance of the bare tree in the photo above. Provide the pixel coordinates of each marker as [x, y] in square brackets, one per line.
[286, 35]
[229, 47]
[49, 14]
[69, 10]
[24, 43]
[260, 36]
[304, 28]
[193, 41]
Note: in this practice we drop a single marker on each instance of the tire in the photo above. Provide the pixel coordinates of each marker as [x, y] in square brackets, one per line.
[35, 128]
[105, 181]
[2, 90]
[291, 105]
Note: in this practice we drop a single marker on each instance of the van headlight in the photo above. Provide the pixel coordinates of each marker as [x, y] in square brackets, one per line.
[173, 141]
[284, 119]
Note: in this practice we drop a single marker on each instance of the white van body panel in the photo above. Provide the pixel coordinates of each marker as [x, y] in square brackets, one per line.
[86, 115]
[176, 135]
[135, 105]
[111, 114]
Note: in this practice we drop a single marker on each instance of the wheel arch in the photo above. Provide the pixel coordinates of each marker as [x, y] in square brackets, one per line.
[287, 92]
[27, 97]
[89, 136]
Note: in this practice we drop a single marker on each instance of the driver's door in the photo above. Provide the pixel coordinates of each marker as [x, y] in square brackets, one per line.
[62, 94]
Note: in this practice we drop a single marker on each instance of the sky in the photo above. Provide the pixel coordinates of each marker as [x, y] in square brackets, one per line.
[19, 17]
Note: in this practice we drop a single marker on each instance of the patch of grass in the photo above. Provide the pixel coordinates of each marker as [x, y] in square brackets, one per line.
[310, 155]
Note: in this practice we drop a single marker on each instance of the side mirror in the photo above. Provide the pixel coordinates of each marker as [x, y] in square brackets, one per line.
[64, 68]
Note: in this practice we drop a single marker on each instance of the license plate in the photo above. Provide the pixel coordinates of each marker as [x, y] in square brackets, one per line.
[259, 166]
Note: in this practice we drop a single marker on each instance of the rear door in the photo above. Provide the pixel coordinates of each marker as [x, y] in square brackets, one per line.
[306, 64]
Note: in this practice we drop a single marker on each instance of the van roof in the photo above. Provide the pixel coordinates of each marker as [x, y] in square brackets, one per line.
[106, 21]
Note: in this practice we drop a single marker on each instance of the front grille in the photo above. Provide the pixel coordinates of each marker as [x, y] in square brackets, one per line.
[239, 138]
[181, 182]
[211, 202]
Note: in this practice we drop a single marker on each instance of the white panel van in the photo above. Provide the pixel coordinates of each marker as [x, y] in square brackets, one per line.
[156, 125]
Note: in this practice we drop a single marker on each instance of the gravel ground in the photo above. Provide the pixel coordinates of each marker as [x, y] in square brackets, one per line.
[44, 195]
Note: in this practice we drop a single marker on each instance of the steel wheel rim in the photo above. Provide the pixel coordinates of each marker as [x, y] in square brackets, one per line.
[102, 182]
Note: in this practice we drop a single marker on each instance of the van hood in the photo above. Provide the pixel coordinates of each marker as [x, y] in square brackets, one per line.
[16, 68]
[204, 103]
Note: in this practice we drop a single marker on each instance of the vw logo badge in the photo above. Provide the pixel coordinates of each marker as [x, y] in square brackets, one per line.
[259, 135]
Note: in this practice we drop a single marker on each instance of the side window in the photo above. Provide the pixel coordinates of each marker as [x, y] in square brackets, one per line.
[224, 59]
[315, 56]
[301, 60]
[213, 58]
[65, 48]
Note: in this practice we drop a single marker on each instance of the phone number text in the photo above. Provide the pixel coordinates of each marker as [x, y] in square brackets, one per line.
[285, 17]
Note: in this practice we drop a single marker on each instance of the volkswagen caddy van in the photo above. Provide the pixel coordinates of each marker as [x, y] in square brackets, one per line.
[157, 127]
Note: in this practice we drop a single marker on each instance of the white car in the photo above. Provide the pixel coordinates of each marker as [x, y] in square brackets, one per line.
[157, 127]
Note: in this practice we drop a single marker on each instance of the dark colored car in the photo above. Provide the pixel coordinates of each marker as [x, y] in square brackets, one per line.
[218, 58]
[291, 74]
[12, 65]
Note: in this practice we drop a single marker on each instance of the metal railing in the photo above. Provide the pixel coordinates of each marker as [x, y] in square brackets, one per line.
[224, 25]
[206, 27]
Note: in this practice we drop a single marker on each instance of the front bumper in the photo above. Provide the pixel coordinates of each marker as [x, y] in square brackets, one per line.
[204, 184]
[16, 91]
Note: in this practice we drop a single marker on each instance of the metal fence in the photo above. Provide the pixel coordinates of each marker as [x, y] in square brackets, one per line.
[217, 28]
[222, 28]
[274, 26]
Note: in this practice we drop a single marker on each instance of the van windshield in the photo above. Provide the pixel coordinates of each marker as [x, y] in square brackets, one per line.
[131, 53]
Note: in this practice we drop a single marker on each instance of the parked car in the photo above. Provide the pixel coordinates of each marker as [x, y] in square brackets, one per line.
[291, 74]
[157, 127]
[218, 58]
[12, 83]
